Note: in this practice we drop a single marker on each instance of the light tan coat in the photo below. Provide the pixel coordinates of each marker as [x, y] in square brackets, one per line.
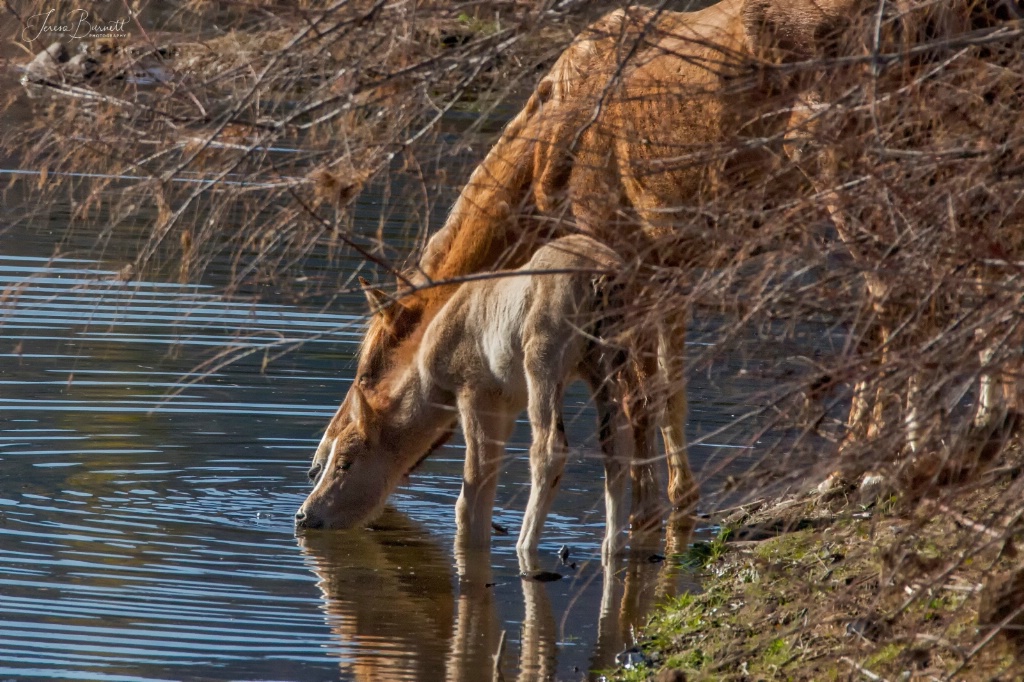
[498, 346]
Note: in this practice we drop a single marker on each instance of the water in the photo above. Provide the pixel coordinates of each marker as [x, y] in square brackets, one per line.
[154, 439]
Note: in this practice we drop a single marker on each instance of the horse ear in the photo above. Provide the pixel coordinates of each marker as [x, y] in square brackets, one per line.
[362, 414]
[377, 299]
[380, 303]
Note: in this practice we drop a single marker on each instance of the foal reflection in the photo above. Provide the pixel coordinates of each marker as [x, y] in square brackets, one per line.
[635, 583]
[474, 653]
[390, 597]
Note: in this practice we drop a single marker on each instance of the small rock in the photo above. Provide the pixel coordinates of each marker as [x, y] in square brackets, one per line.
[498, 528]
[541, 576]
[46, 65]
[871, 627]
[631, 658]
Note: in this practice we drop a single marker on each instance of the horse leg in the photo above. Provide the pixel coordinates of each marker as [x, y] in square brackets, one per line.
[821, 170]
[683, 492]
[872, 408]
[549, 449]
[617, 445]
[998, 411]
[647, 509]
[486, 424]
[1013, 389]
[990, 394]
[864, 417]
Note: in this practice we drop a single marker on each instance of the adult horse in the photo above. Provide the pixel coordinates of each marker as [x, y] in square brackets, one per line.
[648, 118]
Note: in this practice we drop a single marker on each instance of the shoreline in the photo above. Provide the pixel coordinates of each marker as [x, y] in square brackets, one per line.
[833, 588]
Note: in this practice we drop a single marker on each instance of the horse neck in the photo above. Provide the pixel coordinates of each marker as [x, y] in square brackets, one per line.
[413, 408]
[486, 229]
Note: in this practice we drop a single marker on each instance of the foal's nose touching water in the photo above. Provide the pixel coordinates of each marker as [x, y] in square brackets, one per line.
[498, 346]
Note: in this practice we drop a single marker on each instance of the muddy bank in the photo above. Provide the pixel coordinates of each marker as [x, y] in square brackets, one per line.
[827, 587]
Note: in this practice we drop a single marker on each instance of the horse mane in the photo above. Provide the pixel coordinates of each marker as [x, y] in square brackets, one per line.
[499, 185]
[479, 234]
[485, 218]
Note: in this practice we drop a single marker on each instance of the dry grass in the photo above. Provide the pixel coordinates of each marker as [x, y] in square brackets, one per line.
[270, 119]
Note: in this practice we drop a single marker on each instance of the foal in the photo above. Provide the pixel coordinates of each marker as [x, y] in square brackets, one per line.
[497, 346]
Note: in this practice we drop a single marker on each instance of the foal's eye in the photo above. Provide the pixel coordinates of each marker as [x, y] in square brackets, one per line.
[345, 465]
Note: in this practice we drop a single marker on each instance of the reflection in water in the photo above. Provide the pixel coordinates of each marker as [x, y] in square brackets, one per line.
[400, 612]
[477, 636]
[538, 653]
[388, 597]
[635, 584]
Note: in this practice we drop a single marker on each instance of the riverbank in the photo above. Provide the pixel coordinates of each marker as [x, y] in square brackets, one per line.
[825, 587]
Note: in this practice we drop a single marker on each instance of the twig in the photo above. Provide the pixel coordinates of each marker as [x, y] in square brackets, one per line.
[985, 640]
[862, 670]
[498, 655]
[748, 507]
[964, 521]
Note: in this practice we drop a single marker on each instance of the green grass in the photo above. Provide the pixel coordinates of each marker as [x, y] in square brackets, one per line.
[703, 554]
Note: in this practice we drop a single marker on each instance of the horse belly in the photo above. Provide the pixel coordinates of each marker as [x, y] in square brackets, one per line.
[500, 338]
